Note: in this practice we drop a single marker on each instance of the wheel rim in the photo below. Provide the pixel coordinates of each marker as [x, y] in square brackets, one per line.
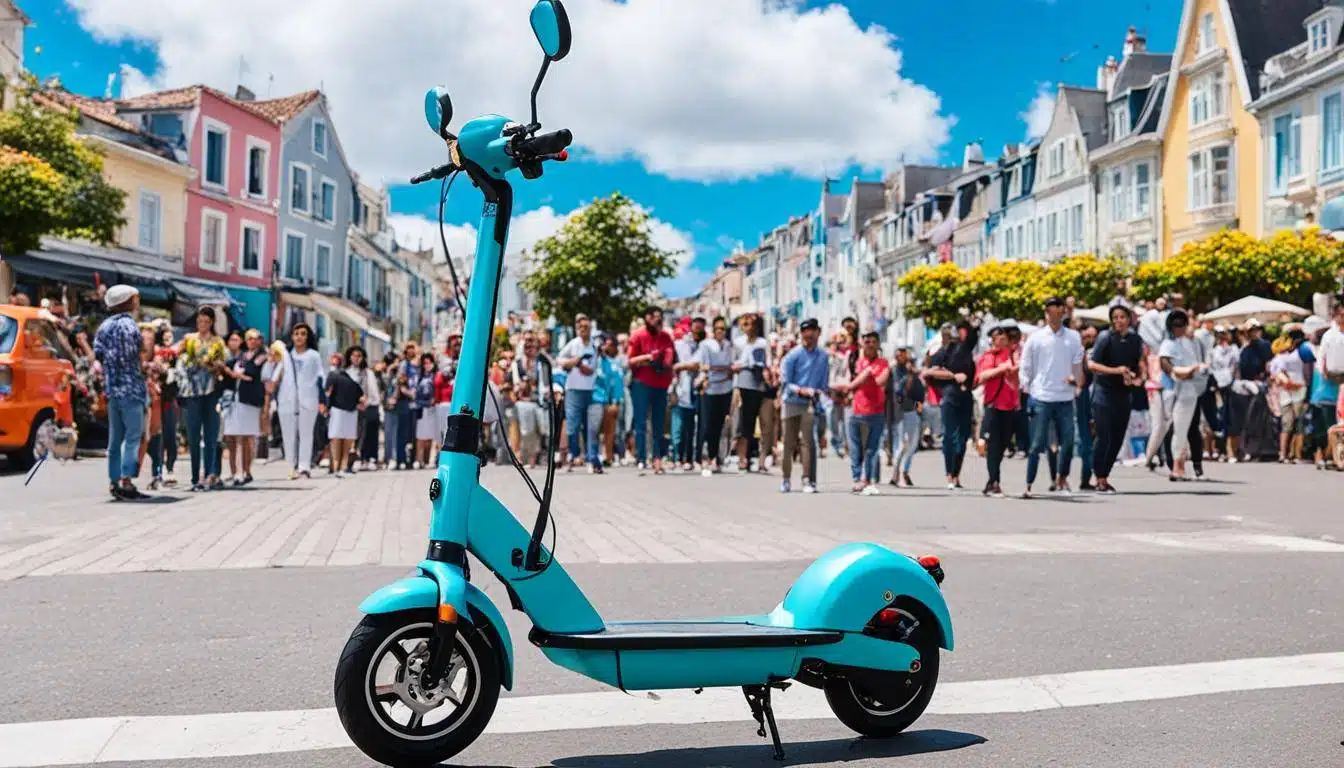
[395, 698]
[908, 686]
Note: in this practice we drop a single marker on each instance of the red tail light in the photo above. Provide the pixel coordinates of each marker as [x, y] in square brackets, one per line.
[888, 616]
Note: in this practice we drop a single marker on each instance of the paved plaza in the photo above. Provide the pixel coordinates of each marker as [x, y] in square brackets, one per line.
[1193, 624]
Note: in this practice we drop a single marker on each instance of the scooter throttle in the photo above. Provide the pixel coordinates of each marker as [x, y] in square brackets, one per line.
[546, 143]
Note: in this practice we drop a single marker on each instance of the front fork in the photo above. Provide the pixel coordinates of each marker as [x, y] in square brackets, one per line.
[452, 583]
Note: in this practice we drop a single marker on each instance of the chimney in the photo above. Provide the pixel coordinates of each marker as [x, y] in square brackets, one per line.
[1135, 42]
[973, 157]
[243, 94]
[1106, 74]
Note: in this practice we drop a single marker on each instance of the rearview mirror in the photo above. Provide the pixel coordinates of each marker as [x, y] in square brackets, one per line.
[438, 110]
[551, 26]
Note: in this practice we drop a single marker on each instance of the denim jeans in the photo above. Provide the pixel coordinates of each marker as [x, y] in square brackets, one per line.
[683, 427]
[170, 436]
[202, 429]
[865, 444]
[957, 415]
[1060, 415]
[125, 426]
[576, 421]
[1083, 412]
[906, 442]
[649, 405]
[155, 451]
[405, 433]
[1112, 419]
[1001, 425]
[391, 427]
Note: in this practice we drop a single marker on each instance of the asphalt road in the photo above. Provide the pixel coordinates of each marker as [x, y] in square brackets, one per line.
[222, 640]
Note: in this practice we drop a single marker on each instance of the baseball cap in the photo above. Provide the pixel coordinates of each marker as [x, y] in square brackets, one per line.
[810, 324]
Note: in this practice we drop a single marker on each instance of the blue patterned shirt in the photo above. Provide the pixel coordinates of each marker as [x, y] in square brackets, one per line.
[117, 346]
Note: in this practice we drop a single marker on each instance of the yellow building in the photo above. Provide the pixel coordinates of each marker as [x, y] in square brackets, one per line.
[1211, 143]
[153, 175]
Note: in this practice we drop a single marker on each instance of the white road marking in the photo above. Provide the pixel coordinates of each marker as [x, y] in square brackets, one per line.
[111, 739]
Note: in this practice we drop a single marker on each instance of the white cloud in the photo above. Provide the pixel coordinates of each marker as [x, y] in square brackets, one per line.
[1039, 112]
[527, 228]
[695, 89]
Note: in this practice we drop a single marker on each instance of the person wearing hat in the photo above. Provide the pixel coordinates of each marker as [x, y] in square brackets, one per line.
[116, 349]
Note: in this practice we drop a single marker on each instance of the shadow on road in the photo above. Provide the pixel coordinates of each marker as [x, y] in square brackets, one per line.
[800, 753]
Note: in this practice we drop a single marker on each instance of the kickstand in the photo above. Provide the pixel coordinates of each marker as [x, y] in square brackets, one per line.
[758, 698]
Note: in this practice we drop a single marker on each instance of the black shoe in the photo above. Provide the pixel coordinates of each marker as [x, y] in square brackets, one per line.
[131, 493]
[1088, 486]
[118, 493]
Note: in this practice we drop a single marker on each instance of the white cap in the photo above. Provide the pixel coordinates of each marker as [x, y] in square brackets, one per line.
[119, 294]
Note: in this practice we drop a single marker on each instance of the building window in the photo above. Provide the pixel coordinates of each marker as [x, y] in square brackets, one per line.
[1118, 212]
[1056, 237]
[151, 221]
[249, 257]
[1287, 149]
[1319, 34]
[1078, 227]
[213, 240]
[1119, 121]
[216, 155]
[300, 199]
[1141, 252]
[166, 125]
[320, 138]
[1210, 177]
[294, 256]
[1142, 190]
[323, 252]
[1207, 97]
[256, 170]
[1206, 37]
[1332, 132]
[1057, 159]
[328, 212]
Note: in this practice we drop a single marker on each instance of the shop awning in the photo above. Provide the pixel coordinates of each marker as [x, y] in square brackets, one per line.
[201, 293]
[342, 312]
[78, 269]
[377, 334]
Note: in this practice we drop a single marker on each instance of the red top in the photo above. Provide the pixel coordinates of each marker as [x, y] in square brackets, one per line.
[644, 343]
[870, 399]
[1001, 392]
[443, 388]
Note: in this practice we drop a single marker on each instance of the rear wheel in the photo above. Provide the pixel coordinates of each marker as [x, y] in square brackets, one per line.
[885, 703]
[386, 712]
[24, 458]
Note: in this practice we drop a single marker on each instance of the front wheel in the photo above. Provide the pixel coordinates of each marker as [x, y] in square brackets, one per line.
[383, 707]
[882, 704]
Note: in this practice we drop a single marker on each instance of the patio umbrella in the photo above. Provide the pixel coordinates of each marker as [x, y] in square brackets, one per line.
[1262, 309]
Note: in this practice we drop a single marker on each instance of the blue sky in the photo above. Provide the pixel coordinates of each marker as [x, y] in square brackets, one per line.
[985, 59]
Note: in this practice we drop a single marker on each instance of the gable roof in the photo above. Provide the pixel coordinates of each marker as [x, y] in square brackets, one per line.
[288, 107]
[1265, 28]
[104, 112]
[1138, 69]
[190, 96]
[1089, 104]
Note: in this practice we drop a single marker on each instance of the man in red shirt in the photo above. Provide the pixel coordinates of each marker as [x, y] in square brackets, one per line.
[996, 371]
[868, 414]
[652, 354]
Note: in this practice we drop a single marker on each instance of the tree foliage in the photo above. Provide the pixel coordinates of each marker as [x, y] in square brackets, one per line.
[938, 293]
[51, 182]
[602, 263]
[1008, 289]
[1090, 280]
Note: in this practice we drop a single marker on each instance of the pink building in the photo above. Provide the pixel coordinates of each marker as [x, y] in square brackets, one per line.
[233, 201]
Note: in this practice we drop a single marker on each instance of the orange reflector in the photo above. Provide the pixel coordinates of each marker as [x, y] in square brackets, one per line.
[929, 561]
[447, 614]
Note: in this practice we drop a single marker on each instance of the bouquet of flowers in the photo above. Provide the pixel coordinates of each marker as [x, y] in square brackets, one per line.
[199, 353]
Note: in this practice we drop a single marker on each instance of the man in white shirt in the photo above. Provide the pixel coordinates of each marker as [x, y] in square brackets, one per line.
[1052, 374]
[578, 358]
[1330, 356]
[300, 380]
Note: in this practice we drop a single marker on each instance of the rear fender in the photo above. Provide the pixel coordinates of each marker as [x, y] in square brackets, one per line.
[422, 592]
[847, 586]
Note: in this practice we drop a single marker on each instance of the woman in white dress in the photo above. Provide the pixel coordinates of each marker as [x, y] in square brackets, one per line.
[426, 422]
[344, 398]
[242, 423]
[365, 450]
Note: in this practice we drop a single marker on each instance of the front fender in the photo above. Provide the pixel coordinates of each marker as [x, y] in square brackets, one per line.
[847, 586]
[422, 592]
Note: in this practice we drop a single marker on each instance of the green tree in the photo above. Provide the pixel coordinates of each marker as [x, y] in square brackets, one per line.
[1090, 280]
[51, 182]
[938, 292]
[1009, 289]
[602, 263]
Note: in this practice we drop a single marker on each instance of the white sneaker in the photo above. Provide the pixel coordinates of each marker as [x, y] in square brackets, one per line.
[785, 487]
[872, 490]
[809, 488]
[706, 473]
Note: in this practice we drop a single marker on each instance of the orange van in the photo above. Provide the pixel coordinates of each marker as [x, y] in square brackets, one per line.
[37, 368]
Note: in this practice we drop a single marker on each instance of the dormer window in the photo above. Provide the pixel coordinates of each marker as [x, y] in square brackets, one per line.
[1119, 121]
[1319, 35]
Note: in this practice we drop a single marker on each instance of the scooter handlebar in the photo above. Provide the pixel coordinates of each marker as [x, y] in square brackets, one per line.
[546, 143]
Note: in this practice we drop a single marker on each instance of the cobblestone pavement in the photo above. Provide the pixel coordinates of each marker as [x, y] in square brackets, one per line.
[63, 524]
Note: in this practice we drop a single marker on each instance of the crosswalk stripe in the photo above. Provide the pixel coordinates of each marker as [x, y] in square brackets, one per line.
[179, 737]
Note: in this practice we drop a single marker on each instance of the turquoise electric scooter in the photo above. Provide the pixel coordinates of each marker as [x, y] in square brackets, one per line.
[421, 674]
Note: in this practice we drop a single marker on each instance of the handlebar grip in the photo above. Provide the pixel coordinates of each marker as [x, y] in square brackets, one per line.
[547, 143]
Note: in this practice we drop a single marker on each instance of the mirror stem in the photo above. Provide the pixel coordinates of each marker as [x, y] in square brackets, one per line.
[536, 86]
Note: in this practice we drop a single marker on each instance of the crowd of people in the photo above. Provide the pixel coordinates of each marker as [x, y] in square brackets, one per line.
[1157, 387]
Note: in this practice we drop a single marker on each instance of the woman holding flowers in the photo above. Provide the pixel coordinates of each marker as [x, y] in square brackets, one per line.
[200, 363]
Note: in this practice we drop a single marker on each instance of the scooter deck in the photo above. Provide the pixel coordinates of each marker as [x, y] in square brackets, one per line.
[683, 635]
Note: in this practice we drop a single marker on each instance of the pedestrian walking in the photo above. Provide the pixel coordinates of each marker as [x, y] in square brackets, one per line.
[997, 374]
[116, 349]
[1052, 373]
[1120, 366]
[804, 374]
[867, 418]
[907, 390]
[952, 372]
[652, 354]
[715, 356]
[1184, 379]
[1085, 442]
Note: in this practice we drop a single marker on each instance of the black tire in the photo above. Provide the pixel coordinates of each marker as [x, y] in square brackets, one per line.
[859, 703]
[23, 459]
[367, 722]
